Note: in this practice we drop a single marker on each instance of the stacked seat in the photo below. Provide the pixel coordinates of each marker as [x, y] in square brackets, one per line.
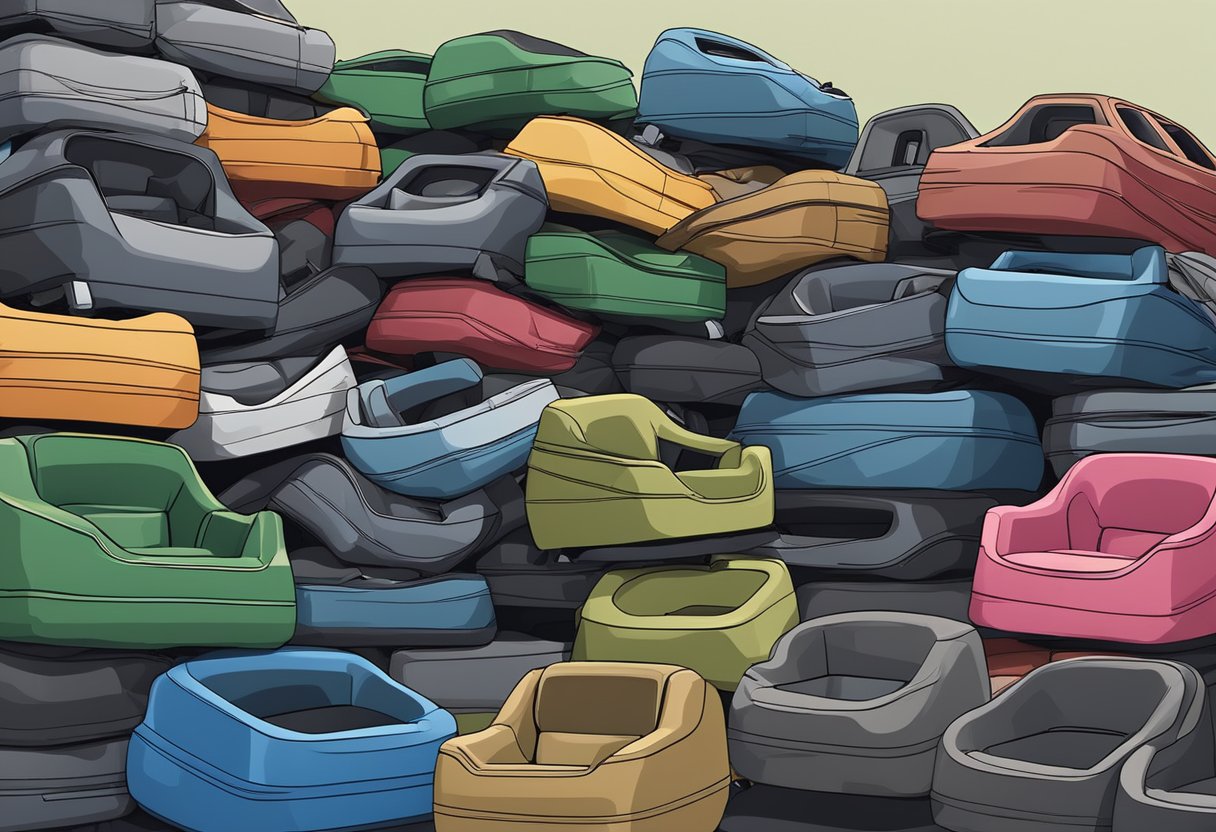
[259, 42]
[496, 81]
[856, 703]
[67, 716]
[1130, 421]
[144, 555]
[588, 169]
[291, 740]
[118, 26]
[1096, 316]
[718, 89]
[473, 318]
[966, 440]
[718, 619]
[591, 449]
[855, 328]
[1046, 753]
[255, 407]
[363, 525]
[683, 369]
[892, 151]
[641, 746]
[616, 274]
[141, 371]
[1115, 552]
[473, 683]
[445, 213]
[387, 85]
[133, 222]
[447, 455]
[54, 84]
[797, 221]
[330, 156]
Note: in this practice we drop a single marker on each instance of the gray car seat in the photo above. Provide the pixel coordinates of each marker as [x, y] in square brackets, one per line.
[438, 214]
[687, 370]
[315, 313]
[47, 788]
[945, 597]
[51, 84]
[1131, 421]
[905, 535]
[521, 575]
[63, 696]
[855, 328]
[130, 24]
[259, 42]
[892, 151]
[856, 703]
[364, 525]
[134, 222]
[1171, 786]
[1046, 753]
[472, 683]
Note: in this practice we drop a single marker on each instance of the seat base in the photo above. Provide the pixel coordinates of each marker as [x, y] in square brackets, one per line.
[1192, 626]
[107, 621]
[697, 813]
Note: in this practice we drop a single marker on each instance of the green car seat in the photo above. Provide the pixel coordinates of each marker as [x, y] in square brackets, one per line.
[596, 477]
[497, 81]
[386, 85]
[617, 273]
[113, 542]
[718, 619]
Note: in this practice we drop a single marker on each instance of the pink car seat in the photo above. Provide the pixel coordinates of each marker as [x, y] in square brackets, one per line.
[1122, 549]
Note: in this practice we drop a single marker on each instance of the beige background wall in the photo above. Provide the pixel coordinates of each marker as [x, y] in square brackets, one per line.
[984, 56]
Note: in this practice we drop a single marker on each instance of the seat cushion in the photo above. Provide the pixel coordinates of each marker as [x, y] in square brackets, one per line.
[848, 688]
[556, 748]
[1069, 560]
[1079, 748]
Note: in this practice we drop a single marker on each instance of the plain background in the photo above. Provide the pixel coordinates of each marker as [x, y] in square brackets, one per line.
[984, 56]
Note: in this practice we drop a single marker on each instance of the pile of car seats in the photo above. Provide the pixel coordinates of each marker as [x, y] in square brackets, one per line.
[484, 442]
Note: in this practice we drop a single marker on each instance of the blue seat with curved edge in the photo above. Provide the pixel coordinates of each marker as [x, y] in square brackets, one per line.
[363, 611]
[296, 740]
[445, 455]
[1059, 316]
[961, 440]
[714, 88]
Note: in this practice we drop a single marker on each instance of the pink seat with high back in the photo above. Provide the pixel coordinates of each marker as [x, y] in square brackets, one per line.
[1122, 549]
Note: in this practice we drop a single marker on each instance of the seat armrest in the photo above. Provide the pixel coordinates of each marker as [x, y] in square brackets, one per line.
[723, 480]
[1039, 528]
[225, 533]
[711, 445]
[683, 707]
[265, 538]
[495, 746]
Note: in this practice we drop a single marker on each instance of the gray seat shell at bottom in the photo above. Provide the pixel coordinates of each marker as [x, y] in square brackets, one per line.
[1131, 421]
[1047, 752]
[682, 369]
[760, 808]
[854, 328]
[947, 598]
[905, 535]
[140, 222]
[856, 703]
[1171, 786]
[475, 679]
[440, 213]
[82, 696]
[364, 525]
[127, 25]
[47, 788]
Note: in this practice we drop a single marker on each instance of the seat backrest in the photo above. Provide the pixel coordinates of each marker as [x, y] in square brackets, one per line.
[584, 713]
[1126, 505]
[141, 494]
[624, 429]
[877, 650]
